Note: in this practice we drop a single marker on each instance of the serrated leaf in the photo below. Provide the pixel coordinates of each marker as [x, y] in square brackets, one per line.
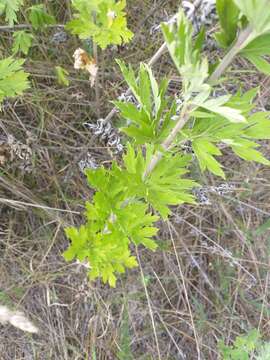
[260, 63]
[144, 120]
[10, 9]
[22, 41]
[216, 105]
[255, 51]
[257, 13]
[204, 151]
[13, 80]
[62, 76]
[104, 21]
[228, 14]
[192, 67]
[247, 152]
[258, 126]
[259, 46]
[39, 18]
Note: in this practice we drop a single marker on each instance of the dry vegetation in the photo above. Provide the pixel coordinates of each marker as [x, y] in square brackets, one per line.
[210, 279]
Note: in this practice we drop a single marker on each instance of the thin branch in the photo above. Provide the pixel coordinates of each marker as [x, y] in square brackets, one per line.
[243, 39]
[26, 26]
[97, 93]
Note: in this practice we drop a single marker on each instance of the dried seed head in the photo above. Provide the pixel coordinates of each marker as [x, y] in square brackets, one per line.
[16, 153]
[201, 193]
[82, 61]
[106, 134]
[87, 162]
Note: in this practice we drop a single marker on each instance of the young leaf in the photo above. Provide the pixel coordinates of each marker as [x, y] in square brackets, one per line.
[257, 13]
[62, 76]
[39, 18]
[13, 80]
[216, 105]
[22, 41]
[255, 51]
[187, 59]
[104, 21]
[208, 130]
[144, 120]
[228, 14]
[10, 9]
[204, 151]
[245, 149]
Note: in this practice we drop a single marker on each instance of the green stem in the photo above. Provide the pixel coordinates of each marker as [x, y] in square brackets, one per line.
[242, 41]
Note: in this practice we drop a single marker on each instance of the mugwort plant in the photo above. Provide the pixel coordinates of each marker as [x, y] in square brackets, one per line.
[136, 192]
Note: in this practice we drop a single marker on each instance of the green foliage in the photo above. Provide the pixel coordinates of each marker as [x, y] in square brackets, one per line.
[144, 120]
[62, 76]
[245, 347]
[13, 80]
[103, 21]
[217, 106]
[187, 56]
[255, 51]
[241, 349]
[257, 13]
[209, 130]
[120, 213]
[22, 42]
[228, 14]
[39, 18]
[10, 9]
[129, 198]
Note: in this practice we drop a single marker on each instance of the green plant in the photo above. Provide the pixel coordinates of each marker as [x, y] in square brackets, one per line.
[131, 197]
[242, 347]
[10, 8]
[22, 42]
[246, 347]
[103, 21]
[39, 18]
[13, 80]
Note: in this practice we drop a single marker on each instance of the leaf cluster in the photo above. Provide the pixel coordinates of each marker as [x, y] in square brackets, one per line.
[103, 21]
[186, 55]
[10, 8]
[245, 347]
[38, 16]
[148, 121]
[122, 211]
[211, 129]
[234, 15]
[129, 199]
[13, 80]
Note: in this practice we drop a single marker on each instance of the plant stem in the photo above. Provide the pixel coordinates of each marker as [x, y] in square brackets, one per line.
[241, 42]
[26, 26]
[243, 39]
[95, 53]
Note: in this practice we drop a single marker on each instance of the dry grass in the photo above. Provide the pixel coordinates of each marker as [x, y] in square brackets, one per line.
[210, 280]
